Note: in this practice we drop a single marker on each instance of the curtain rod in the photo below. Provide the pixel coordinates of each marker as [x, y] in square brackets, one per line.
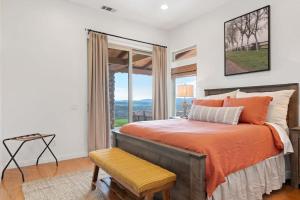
[117, 36]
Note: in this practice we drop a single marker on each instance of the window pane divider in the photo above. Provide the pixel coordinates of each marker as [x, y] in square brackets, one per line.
[130, 102]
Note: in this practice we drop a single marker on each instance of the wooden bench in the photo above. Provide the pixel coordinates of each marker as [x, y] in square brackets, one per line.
[140, 177]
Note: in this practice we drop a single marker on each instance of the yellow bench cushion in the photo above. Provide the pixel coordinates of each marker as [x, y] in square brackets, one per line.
[136, 173]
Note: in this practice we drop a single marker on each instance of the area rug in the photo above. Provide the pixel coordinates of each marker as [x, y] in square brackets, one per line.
[73, 186]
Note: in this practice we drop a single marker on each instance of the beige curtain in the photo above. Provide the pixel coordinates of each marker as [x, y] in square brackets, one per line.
[98, 87]
[160, 92]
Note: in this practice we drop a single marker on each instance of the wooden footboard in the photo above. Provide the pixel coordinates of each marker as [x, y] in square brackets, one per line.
[188, 166]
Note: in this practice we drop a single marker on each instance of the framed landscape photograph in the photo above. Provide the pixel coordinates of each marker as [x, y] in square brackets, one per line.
[247, 43]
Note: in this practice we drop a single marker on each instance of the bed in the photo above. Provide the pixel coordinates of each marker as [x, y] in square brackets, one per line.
[188, 165]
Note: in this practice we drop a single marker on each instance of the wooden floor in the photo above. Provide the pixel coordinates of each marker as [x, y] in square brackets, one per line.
[10, 188]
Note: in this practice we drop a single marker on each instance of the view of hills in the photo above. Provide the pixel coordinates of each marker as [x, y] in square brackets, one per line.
[121, 106]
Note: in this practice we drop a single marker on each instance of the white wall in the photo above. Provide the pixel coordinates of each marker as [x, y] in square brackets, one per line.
[45, 71]
[207, 33]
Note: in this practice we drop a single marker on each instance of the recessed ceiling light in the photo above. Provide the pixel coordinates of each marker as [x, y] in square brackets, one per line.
[164, 6]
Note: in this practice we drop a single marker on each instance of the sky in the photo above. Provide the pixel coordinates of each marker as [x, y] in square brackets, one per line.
[142, 86]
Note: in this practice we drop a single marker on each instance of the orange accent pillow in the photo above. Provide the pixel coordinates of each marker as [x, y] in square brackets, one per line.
[208, 102]
[255, 108]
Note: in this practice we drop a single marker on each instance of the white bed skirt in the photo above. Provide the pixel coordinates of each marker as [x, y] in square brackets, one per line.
[251, 183]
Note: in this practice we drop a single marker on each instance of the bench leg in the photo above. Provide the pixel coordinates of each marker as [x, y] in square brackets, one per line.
[95, 177]
[166, 194]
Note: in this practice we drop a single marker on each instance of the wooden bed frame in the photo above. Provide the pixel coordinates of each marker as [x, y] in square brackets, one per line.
[190, 166]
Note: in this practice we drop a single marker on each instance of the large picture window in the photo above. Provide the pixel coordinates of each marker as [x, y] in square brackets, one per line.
[142, 86]
[130, 85]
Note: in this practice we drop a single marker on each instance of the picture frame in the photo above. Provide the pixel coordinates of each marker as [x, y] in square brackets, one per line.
[247, 43]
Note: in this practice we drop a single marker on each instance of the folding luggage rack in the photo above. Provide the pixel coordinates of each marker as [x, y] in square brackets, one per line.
[23, 139]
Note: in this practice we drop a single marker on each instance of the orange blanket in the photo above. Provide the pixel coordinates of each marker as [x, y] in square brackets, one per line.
[228, 148]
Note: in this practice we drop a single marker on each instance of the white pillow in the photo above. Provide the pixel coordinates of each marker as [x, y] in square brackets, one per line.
[223, 96]
[225, 115]
[278, 108]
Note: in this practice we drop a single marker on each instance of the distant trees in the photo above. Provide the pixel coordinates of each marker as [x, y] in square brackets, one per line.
[231, 36]
[240, 24]
[245, 27]
[258, 16]
[249, 28]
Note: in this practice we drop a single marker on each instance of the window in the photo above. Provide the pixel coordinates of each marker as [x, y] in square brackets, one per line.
[183, 72]
[130, 85]
[118, 86]
[191, 80]
[142, 86]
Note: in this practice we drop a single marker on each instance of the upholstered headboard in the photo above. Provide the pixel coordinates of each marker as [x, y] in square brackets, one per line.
[293, 111]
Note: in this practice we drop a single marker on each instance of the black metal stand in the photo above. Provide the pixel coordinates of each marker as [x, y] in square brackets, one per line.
[24, 139]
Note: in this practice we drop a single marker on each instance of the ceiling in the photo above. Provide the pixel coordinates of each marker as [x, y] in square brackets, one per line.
[149, 12]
